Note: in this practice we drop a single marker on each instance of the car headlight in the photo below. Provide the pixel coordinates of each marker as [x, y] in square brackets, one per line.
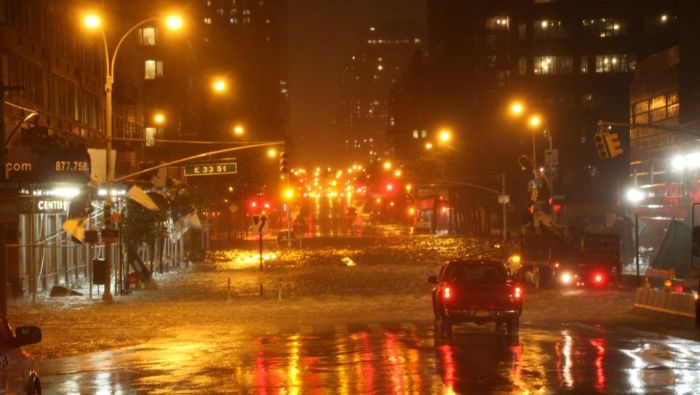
[566, 278]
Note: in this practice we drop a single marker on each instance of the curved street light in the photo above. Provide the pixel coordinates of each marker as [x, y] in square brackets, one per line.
[93, 21]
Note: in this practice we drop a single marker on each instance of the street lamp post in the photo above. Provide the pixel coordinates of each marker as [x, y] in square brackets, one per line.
[635, 196]
[93, 22]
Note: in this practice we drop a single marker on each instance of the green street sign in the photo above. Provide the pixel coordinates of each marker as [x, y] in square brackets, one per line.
[211, 169]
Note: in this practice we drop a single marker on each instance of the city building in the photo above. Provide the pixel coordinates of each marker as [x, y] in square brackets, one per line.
[664, 150]
[244, 42]
[50, 122]
[571, 62]
[368, 75]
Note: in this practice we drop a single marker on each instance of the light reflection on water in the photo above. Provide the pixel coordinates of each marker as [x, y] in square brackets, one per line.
[395, 361]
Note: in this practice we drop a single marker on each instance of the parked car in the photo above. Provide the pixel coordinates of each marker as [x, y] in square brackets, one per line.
[18, 373]
[478, 291]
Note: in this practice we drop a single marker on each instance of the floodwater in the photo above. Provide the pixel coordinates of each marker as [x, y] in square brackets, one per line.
[389, 358]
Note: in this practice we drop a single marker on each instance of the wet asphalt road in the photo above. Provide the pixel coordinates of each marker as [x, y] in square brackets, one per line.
[329, 328]
[390, 358]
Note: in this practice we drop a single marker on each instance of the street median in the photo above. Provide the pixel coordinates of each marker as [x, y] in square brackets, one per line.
[678, 308]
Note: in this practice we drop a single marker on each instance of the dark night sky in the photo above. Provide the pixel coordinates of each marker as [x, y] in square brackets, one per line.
[321, 33]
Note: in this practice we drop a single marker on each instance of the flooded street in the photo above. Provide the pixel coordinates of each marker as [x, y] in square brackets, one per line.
[324, 325]
[387, 358]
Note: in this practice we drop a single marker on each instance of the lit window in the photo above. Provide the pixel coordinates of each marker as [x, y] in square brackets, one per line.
[150, 136]
[498, 23]
[415, 134]
[553, 65]
[615, 63]
[547, 29]
[522, 66]
[147, 36]
[584, 65]
[424, 133]
[153, 69]
[207, 21]
[606, 27]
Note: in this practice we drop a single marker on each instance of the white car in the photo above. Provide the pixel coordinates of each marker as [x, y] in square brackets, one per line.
[18, 374]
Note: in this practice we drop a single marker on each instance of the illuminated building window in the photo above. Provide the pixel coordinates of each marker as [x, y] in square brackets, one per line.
[207, 21]
[150, 136]
[548, 29]
[553, 65]
[153, 69]
[498, 23]
[606, 27]
[522, 66]
[655, 109]
[147, 36]
[415, 134]
[583, 68]
[615, 63]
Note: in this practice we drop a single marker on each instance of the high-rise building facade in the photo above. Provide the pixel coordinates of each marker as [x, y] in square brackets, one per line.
[571, 62]
[244, 42]
[367, 78]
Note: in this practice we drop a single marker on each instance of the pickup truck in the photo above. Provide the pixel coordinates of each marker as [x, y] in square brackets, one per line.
[477, 291]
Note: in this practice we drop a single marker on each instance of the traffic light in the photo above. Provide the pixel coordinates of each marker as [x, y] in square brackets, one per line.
[601, 145]
[284, 169]
[614, 144]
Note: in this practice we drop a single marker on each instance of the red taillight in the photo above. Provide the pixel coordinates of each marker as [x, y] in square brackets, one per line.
[517, 293]
[446, 293]
[598, 278]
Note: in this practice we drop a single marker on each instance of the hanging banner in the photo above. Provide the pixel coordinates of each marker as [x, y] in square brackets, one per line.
[47, 165]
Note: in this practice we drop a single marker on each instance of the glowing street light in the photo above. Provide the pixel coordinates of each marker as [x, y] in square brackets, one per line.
[288, 194]
[219, 85]
[92, 21]
[238, 130]
[398, 173]
[428, 146]
[272, 153]
[517, 108]
[634, 195]
[535, 121]
[159, 118]
[445, 136]
[174, 22]
[387, 165]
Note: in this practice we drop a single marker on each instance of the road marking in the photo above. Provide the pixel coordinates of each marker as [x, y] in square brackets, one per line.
[340, 329]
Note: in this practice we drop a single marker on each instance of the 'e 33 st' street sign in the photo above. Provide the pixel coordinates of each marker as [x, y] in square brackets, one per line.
[211, 169]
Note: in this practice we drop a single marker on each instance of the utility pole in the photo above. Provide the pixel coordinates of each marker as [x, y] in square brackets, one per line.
[9, 198]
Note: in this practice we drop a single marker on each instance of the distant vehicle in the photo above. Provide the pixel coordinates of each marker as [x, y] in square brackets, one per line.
[422, 225]
[552, 257]
[584, 275]
[18, 373]
[478, 291]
